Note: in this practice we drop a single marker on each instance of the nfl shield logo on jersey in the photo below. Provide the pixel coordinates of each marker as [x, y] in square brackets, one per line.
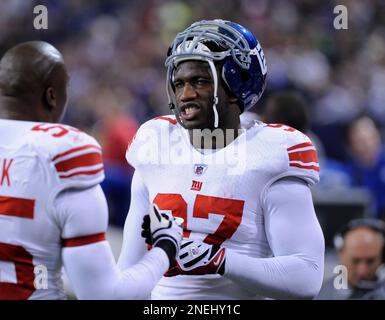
[194, 251]
[200, 169]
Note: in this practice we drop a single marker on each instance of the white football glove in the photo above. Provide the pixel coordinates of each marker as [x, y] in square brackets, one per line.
[197, 258]
[161, 229]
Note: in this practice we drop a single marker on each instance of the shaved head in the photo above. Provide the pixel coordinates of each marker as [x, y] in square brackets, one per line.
[33, 82]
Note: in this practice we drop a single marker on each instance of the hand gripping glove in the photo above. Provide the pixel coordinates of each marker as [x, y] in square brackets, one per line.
[164, 231]
[197, 258]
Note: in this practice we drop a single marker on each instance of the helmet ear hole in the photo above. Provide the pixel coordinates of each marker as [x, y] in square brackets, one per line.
[169, 51]
[247, 85]
[245, 76]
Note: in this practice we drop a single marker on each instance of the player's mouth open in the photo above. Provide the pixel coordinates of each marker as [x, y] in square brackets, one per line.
[189, 112]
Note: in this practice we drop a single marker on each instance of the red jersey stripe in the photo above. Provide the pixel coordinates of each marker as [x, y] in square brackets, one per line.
[17, 207]
[304, 156]
[88, 146]
[173, 121]
[304, 167]
[301, 145]
[85, 160]
[90, 172]
[82, 241]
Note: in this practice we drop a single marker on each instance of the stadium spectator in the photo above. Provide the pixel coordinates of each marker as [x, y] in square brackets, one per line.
[360, 246]
[366, 160]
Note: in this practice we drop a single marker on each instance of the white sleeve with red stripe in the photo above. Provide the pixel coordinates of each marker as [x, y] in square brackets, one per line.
[76, 158]
[298, 154]
[82, 215]
[80, 166]
[83, 160]
[87, 257]
[302, 158]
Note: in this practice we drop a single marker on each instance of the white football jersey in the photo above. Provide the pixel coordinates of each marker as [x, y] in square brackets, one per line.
[37, 162]
[218, 193]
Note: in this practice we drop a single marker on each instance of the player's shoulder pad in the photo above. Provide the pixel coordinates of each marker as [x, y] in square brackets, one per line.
[150, 140]
[75, 156]
[299, 153]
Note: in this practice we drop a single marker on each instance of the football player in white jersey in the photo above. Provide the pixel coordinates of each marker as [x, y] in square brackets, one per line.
[249, 223]
[52, 209]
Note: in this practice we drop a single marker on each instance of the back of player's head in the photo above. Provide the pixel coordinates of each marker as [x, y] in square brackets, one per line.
[232, 46]
[27, 66]
[33, 73]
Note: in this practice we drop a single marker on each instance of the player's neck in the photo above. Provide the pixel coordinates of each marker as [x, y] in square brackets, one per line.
[14, 111]
[14, 108]
[217, 138]
[213, 138]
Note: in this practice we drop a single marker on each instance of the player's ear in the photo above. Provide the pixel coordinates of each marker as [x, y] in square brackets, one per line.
[50, 98]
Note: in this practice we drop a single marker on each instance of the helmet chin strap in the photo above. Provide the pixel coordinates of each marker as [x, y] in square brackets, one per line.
[171, 104]
[215, 99]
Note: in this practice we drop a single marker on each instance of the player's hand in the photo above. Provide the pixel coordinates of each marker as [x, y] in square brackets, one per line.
[197, 258]
[164, 231]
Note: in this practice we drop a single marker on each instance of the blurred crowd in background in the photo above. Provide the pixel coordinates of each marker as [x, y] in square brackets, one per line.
[115, 52]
